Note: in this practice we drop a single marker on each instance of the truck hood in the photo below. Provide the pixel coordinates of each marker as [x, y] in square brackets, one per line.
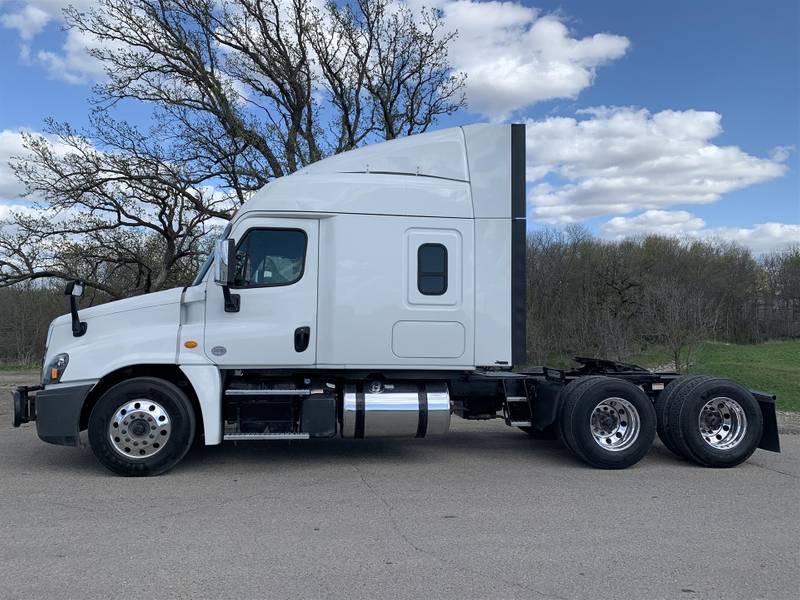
[164, 297]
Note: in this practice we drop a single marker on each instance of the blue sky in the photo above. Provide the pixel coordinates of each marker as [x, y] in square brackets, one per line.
[708, 91]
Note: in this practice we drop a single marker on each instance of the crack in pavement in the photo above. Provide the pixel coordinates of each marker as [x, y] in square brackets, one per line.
[398, 530]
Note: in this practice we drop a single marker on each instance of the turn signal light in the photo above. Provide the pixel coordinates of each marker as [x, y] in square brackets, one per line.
[56, 369]
[190, 344]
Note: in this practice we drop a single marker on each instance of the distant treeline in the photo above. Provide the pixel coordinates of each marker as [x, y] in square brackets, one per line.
[594, 297]
[586, 296]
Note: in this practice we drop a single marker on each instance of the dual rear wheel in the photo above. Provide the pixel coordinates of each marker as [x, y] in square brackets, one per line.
[713, 422]
[608, 423]
[611, 423]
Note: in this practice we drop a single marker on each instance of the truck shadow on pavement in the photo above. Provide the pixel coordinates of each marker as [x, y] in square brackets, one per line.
[468, 447]
[451, 450]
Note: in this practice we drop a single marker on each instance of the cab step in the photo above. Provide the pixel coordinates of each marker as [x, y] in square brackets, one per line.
[247, 437]
[517, 411]
[266, 392]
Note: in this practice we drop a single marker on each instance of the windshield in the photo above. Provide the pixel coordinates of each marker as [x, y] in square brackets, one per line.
[210, 258]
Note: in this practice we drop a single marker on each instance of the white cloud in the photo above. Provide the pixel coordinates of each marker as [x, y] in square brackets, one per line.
[514, 56]
[761, 237]
[10, 145]
[621, 159]
[29, 21]
[6, 210]
[73, 64]
[664, 222]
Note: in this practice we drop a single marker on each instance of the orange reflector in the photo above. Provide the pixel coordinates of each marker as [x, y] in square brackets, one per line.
[53, 374]
[190, 344]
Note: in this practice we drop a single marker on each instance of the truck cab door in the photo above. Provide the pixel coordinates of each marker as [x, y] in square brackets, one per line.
[276, 273]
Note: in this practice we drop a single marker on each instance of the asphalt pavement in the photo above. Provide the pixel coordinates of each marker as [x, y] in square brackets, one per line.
[483, 512]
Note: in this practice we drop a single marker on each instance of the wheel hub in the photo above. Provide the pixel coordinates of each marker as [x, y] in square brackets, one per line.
[722, 423]
[139, 429]
[615, 424]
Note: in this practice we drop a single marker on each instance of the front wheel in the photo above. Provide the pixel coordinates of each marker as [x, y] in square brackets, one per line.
[607, 422]
[143, 426]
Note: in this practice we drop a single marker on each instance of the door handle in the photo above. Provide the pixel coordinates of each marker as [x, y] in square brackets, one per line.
[302, 335]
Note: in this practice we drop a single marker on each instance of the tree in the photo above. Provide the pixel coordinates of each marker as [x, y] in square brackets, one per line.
[241, 92]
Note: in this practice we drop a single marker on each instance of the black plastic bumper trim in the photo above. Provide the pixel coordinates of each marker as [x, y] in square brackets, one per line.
[23, 405]
[58, 413]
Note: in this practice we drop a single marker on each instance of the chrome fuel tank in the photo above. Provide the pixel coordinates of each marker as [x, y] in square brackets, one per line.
[395, 409]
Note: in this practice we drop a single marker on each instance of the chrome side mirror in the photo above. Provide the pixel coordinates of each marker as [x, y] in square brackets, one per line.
[225, 272]
[224, 262]
[74, 288]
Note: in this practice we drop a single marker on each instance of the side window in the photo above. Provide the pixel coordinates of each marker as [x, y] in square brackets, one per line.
[270, 257]
[432, 269]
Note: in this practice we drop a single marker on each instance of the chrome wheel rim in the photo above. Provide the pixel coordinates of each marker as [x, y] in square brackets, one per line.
[722, 423]
[615, 424]
[139, 429]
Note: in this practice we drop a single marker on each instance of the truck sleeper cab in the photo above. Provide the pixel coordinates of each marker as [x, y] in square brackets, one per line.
[374, 293]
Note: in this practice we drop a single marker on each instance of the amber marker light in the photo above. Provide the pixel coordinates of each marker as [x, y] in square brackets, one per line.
[190, 344]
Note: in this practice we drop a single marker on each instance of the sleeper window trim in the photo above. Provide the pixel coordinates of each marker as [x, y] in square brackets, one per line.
[443, 274]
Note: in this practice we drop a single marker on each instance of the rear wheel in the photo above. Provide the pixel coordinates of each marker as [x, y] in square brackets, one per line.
[573, 388]
[675, 388]
[609, 423]
[718, 423]
[143, 426]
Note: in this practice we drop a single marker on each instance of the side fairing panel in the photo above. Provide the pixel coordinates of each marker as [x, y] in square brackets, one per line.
[489, 159]
[493, 292]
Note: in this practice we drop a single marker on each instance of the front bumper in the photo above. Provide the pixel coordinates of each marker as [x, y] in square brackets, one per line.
[57, 411]
[24, 404]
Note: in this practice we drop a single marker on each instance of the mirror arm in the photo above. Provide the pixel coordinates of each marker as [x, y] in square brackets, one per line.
[78, 327]
[231, 300]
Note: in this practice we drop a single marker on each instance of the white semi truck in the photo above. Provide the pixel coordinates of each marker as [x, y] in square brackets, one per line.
[374, 293]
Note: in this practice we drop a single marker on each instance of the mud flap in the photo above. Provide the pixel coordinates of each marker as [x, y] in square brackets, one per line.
[769, 436]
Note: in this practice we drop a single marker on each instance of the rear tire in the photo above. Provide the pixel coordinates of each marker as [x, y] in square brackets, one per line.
[573, 388]
[717, 423]
[140, 427]
[608, 423]
[674, 389]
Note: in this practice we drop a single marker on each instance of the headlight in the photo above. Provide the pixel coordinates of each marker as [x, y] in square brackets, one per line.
[56, 368]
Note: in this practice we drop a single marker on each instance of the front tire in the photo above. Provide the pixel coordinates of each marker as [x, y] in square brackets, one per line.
[608, 423]
[140, 427]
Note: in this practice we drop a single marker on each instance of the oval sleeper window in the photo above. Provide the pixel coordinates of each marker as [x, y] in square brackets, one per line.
[432, 269]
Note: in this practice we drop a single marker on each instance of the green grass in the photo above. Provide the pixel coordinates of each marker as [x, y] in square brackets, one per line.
[16, 367]
[772, 367]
